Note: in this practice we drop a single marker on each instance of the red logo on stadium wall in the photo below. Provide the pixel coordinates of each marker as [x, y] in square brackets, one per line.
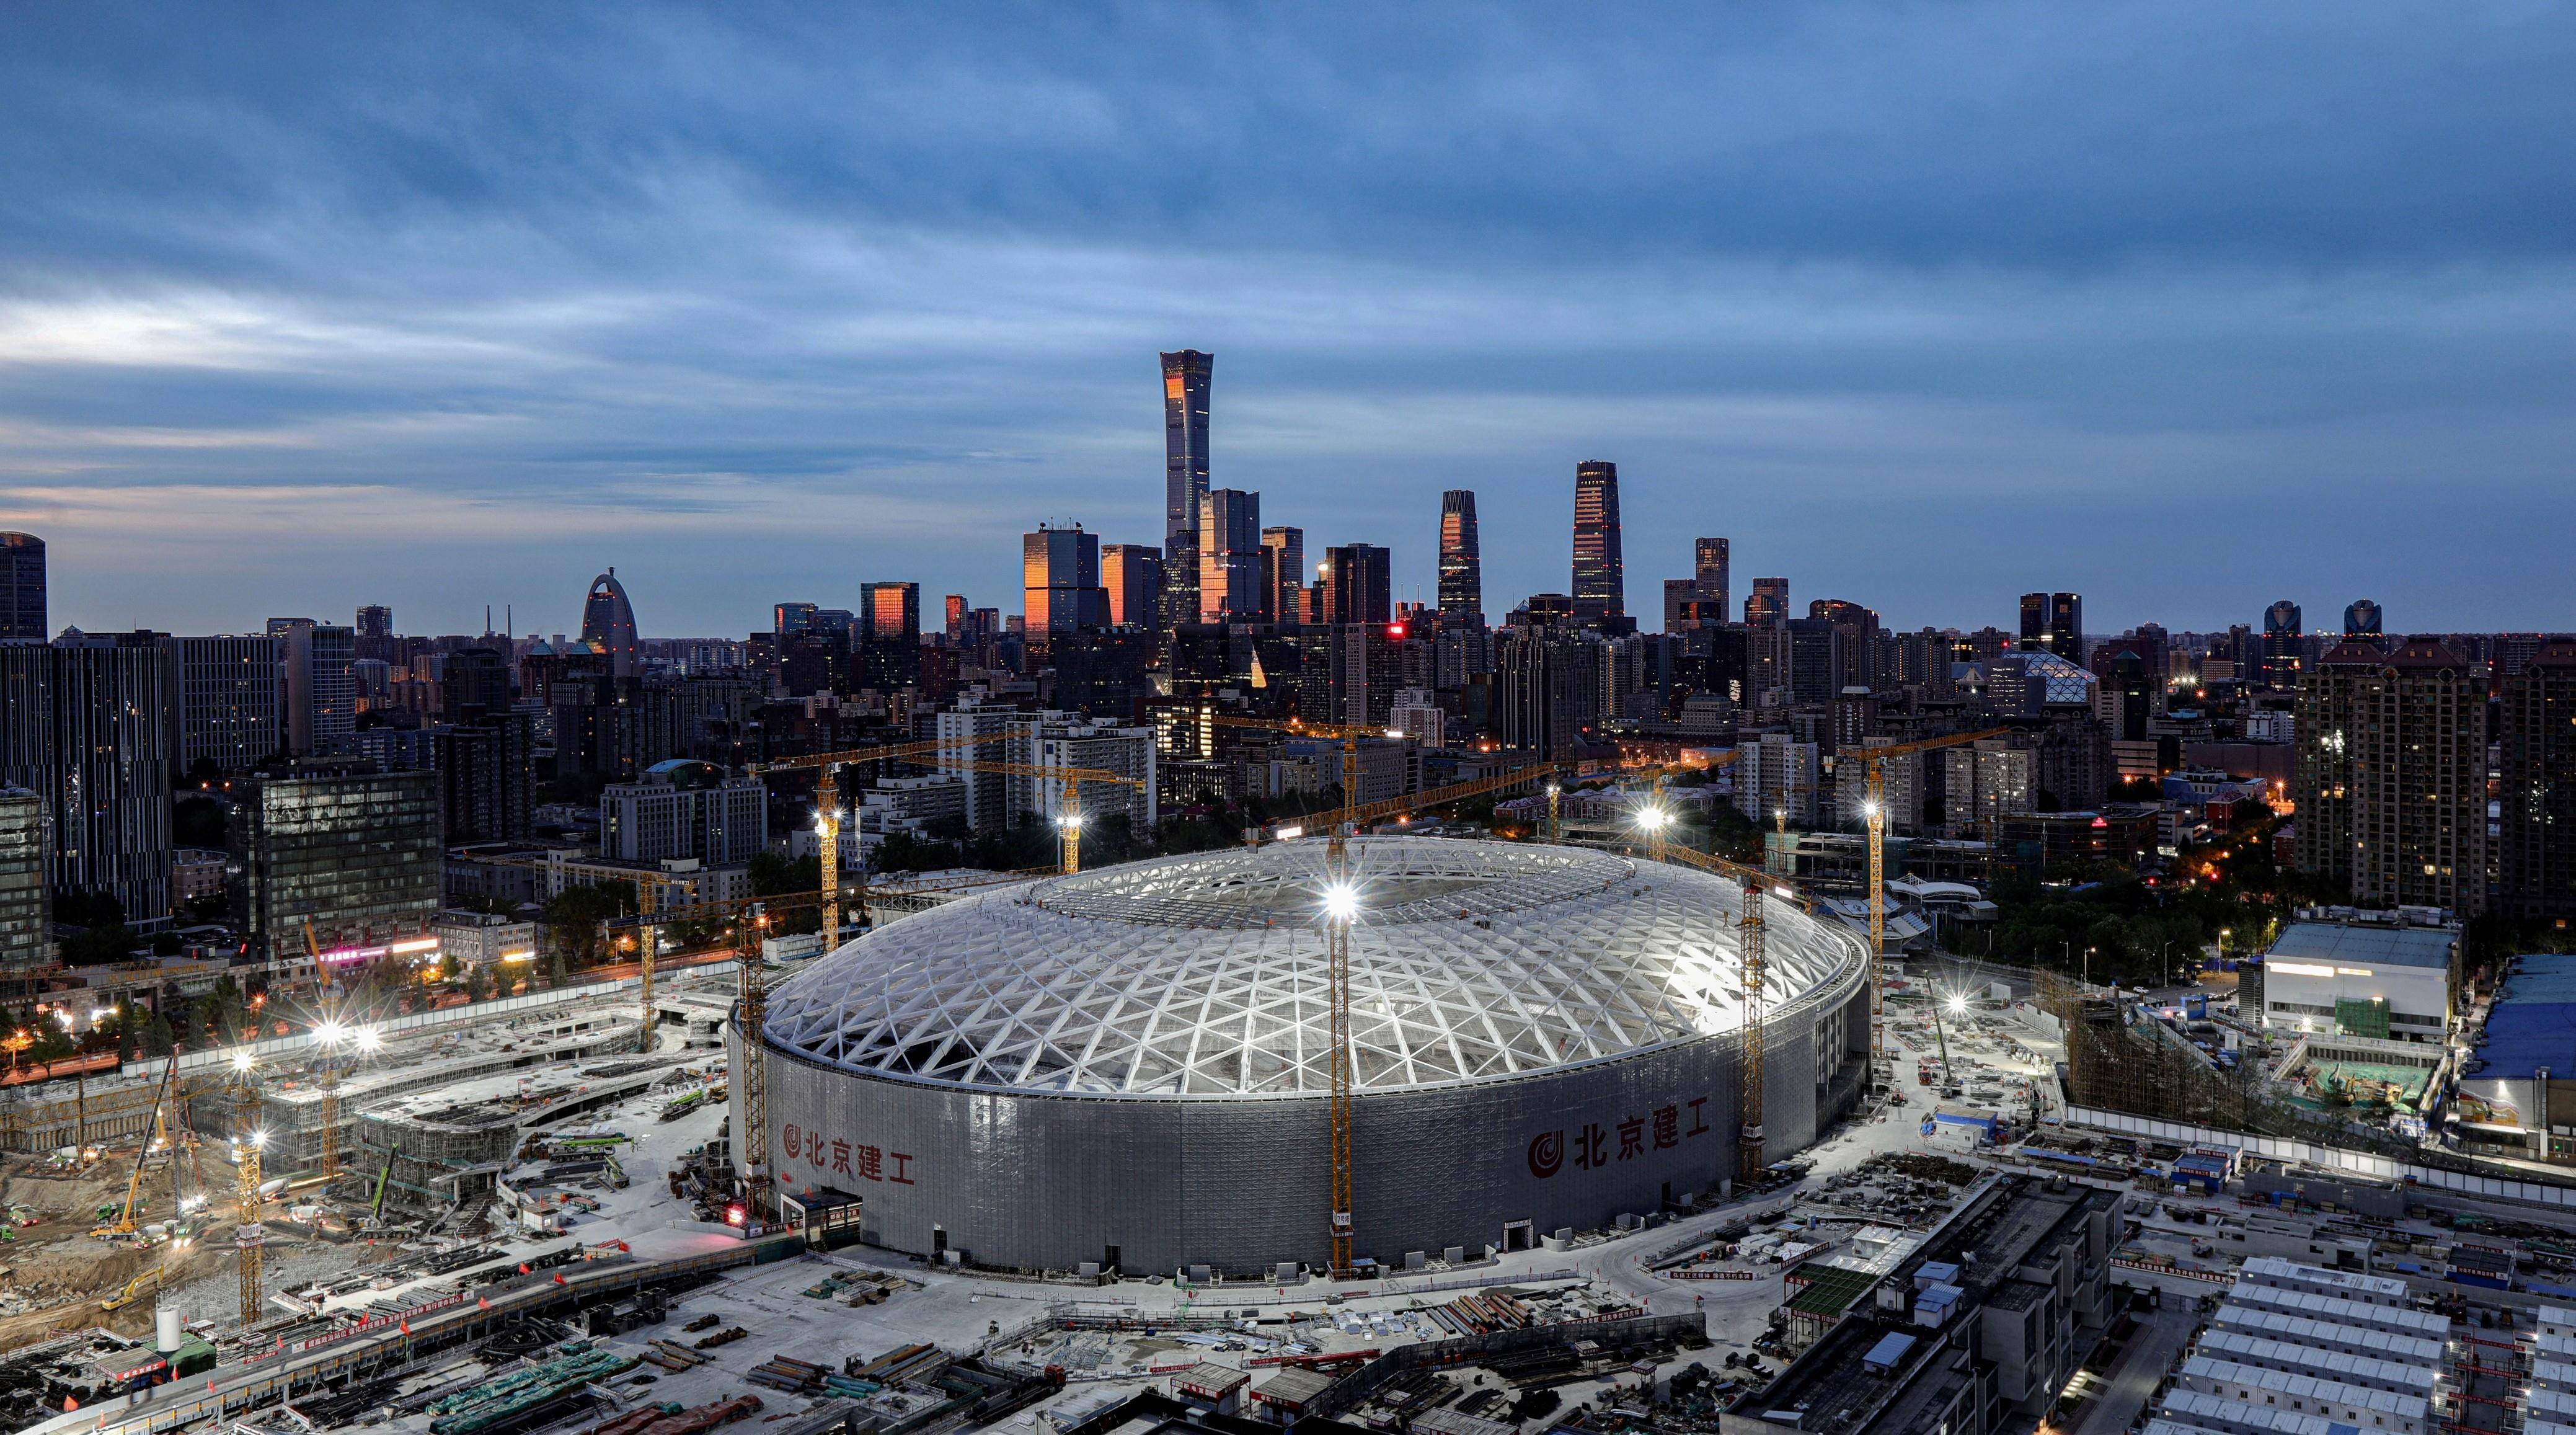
[1546, 1153]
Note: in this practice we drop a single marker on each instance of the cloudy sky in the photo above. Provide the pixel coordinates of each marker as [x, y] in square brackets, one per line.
[2187, 308]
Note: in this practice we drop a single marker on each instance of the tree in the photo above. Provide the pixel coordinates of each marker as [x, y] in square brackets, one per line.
[773, 875]
[572, 919]
[199, 822]
[158, 1038]
[478, 984]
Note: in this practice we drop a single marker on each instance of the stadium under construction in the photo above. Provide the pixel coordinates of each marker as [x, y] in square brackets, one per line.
[1131, 1068]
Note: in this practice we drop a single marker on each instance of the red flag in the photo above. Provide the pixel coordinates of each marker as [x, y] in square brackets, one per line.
[406, 1327]
[523, 1268]
[559, 1280]
[481, 1304]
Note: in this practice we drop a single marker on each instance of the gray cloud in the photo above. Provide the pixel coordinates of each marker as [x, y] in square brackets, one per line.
[2191, 308]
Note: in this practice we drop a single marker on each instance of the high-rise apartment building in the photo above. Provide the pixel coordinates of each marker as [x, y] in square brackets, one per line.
[2283, 650]
[486, 767]
[1229, 549]
[230, 708]
[1600, 573]
[890, 635]
[1283, 574]
[1709, 571]
[2054, 622]
[2536, 842]
[1767, 606]
[26, 904]
[1357, 584]
[2391, 775]
[356, 857]
[609, 620]
[1462, 562]
[1060, 583]
[1186, 377]
[1133, 575]
[86, 724]
[1987, 780]
[683, 809]
[1776, 774]
[22, 588]
[335, 689]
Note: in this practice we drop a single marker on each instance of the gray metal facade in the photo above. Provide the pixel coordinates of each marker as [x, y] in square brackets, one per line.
[1049, 1180]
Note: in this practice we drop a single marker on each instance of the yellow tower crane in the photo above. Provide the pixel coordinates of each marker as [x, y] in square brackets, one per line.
[1068, 820]
[752, 1011]
[248, 1235]
[1341, 909]
[1874, 808]
[827, 810]
[1749, 941]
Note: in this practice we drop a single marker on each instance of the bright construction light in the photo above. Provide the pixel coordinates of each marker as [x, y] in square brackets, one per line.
[1869, 809]
[329, 1031]
[1070, 820]
[1653, 818]
[1958, 1005]
[1341, 903]
[369, 1038]
[242, 1061]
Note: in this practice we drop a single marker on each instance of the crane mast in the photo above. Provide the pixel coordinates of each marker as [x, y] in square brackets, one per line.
[753, 1007]
[248, 1235]
[1873, 760]
[1337, 963]
[1748, 1142]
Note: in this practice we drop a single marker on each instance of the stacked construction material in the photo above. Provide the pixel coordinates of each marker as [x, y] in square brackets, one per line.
[477, 1407]
[786, 1372]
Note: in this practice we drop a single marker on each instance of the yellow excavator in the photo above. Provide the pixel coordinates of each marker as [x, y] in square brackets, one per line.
[135, 1290]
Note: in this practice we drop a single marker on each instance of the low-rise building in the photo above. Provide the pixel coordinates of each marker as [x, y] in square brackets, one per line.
[1975, 1332]
[2383, 976]
[473, 939]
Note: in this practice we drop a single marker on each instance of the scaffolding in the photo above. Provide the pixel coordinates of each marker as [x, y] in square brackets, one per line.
[2120, 1060]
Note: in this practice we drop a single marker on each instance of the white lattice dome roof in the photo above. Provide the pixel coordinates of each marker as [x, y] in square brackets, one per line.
[1204, 975]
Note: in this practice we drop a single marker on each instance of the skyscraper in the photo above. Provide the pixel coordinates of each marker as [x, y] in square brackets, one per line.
[2282, 658]
[891, 619]
[609, 620]
[1462, 563]
[1709, 571]
[2054, 622]
[335, 690]
[1283, 553]
[85, 724]
[1133, 574]
[229, 706]
[1060, 582]
[2536, 847]
[1186, 376]
[1229, 549]
[375, 620]
[1356, 584]
[2361, 619]
[1600, 575]
[2391, 781]
[1767, 606]
[22, 588]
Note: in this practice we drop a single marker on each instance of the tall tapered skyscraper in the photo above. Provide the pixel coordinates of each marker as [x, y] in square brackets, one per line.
[1185, 478]
[1600, 575]
[1462, 564]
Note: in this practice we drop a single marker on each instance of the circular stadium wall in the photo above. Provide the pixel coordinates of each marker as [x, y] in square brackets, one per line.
[1131, 1065]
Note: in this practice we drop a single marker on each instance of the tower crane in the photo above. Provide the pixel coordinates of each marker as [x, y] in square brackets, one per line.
[1069, 808]
[1749, 940]
[1341, 908]
[1875, 809]
[249, 1235]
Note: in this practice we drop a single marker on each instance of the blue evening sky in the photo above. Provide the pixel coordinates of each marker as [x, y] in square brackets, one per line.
[2187, 307]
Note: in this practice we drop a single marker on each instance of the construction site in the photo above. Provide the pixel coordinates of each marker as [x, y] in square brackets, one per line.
[1379, 1130]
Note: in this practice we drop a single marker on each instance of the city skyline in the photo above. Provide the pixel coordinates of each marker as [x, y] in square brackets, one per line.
[2126, 335]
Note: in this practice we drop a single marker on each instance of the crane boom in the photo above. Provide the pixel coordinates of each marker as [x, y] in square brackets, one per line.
[1875, 809]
